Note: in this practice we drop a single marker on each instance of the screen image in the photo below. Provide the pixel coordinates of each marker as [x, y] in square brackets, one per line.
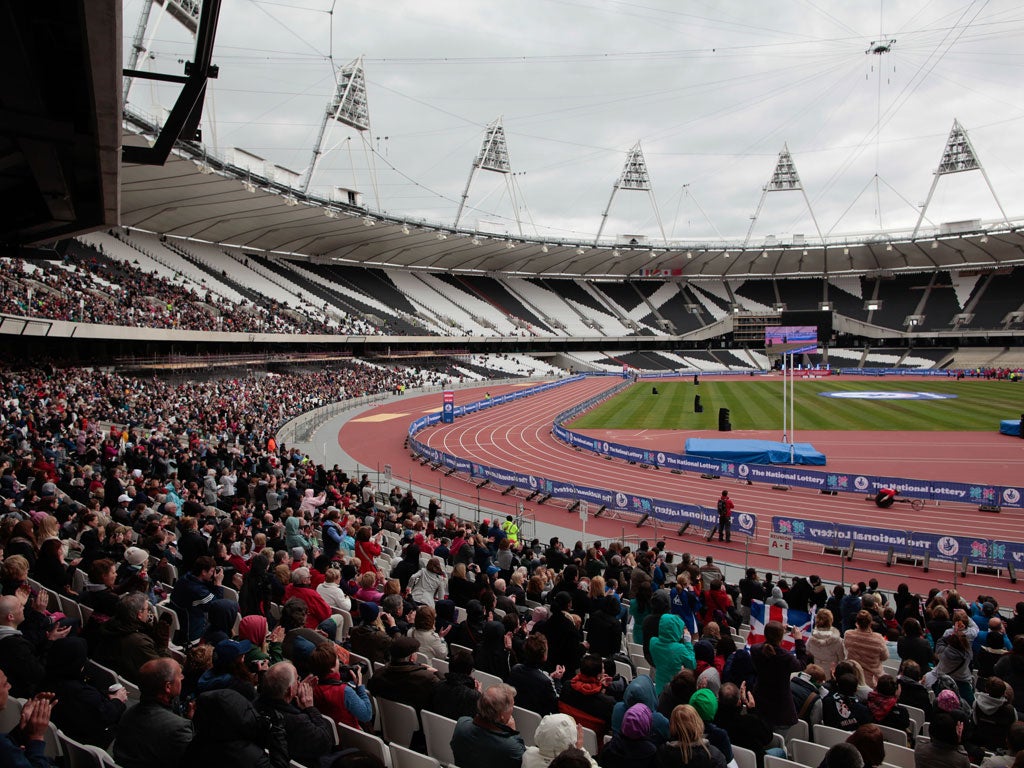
[787, 339]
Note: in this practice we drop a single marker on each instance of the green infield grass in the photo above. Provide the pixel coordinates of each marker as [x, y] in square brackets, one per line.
[757, 404]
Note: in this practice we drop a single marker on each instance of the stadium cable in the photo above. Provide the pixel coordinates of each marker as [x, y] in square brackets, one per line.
[916, 80]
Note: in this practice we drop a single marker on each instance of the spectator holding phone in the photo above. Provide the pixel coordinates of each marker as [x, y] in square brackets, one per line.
[194, 592]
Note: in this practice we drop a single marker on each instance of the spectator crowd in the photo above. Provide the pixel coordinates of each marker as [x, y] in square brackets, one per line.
[156, 537]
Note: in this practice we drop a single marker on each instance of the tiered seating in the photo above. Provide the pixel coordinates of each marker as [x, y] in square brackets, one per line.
[494, 292]
[205, 279]
[671, 300]
[551, 306]
[445, 317]
[900, 296]
[574, 293]
[351, 320]
[999, 295]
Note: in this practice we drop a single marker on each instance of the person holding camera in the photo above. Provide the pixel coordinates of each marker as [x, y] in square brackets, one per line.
[194, 592]
[339, 692]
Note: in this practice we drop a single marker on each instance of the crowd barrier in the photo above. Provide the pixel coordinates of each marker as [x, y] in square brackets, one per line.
[978, 551]
[669, 512]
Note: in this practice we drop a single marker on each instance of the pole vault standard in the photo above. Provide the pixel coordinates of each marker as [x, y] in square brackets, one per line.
[792, 397]
[785, 399]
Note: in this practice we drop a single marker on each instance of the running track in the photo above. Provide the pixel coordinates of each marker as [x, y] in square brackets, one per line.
[517, 436]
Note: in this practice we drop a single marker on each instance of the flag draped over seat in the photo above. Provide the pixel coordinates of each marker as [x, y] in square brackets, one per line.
[761, 614]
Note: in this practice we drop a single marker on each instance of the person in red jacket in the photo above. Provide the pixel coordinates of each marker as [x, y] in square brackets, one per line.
[367, 549]
[717, 603]
[302, 588]
[344, 701]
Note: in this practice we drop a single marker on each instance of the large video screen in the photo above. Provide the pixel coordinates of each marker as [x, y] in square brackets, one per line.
[790, 339]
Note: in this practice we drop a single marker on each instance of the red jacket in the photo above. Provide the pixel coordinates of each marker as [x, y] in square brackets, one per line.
[366, 551]
[318, 608]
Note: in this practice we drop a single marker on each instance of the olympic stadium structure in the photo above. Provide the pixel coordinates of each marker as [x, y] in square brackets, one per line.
[347, 277]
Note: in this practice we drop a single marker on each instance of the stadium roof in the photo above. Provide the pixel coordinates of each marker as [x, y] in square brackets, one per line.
[196, 196]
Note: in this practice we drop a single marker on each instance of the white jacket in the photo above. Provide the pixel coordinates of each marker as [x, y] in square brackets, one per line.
[426, 586]
[554, 735]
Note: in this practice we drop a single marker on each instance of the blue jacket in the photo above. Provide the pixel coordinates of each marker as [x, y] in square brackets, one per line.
[191, 599]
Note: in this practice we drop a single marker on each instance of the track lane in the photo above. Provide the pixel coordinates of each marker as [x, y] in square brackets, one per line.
[517, 436]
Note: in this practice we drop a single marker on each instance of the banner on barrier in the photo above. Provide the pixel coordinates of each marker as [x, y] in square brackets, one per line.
[912, 543]
[799, 477]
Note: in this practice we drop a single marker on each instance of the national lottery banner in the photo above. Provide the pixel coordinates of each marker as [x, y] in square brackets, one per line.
[978, 551]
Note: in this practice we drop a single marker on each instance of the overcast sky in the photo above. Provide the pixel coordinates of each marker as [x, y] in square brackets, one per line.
[711, 90]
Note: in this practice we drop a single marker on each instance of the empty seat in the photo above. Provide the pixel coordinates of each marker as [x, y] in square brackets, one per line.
[398, 721]
[438, 731]
[403, 757]
[807, 752]
[526, 723]
[352, 737]
[744, 758]
[829, 736]
[78, 755]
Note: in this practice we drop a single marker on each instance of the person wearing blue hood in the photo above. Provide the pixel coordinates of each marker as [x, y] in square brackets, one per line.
[641, 692]
[671, 650]
[661, 603]
[293, 535]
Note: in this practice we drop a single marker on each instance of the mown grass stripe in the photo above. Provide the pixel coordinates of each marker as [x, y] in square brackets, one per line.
[757, 405]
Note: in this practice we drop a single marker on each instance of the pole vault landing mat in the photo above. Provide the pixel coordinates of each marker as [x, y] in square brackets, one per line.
[754, 451]
[1010, 427]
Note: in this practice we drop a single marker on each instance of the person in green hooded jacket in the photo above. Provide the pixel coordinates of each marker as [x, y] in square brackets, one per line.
[671, 650]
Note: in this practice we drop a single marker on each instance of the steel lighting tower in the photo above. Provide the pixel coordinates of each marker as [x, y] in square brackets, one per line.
[493, 156]
[185, 12]
[784, 179]
[348, 107]
[634, 176]
[957, 157]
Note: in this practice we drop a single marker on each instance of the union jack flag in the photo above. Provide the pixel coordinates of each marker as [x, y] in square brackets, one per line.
[761, 614]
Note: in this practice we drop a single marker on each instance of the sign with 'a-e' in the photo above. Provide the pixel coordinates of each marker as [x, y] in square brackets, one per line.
[780, 545]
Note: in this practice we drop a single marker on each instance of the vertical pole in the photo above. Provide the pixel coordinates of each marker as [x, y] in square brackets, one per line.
[785, 394]
[792, 415]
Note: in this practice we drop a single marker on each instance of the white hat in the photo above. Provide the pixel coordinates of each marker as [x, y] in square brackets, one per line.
[124, 497]
[136, 556]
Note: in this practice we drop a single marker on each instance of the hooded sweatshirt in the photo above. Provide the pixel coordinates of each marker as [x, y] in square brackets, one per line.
[554, 734]
[668, 651]
[641, 691]
[634, 746]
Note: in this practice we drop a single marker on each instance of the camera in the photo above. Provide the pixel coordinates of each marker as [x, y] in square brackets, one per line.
[347, 672]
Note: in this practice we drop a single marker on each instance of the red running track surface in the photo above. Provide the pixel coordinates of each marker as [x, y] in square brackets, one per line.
[518, 436]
